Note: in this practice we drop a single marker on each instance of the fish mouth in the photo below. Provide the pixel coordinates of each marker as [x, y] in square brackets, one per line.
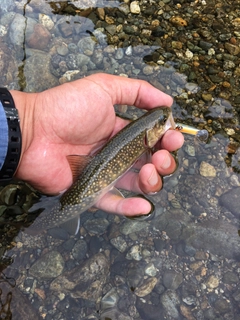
[170, 123]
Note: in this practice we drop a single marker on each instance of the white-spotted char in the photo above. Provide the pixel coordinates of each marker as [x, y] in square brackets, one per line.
[104, 169]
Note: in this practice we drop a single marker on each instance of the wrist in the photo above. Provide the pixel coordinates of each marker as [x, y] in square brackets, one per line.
[24, 103]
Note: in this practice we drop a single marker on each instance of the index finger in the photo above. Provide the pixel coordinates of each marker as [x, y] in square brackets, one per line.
[134, 92]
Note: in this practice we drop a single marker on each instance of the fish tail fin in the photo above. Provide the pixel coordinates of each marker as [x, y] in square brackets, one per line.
[43, 207]
[46, 203]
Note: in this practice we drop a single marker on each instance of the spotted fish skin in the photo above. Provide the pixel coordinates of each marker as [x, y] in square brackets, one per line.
[107, 166]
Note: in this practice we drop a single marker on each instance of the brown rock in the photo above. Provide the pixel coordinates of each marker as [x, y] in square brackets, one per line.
[39, 38]
[178, 21]
[186, 312]
[232, 49]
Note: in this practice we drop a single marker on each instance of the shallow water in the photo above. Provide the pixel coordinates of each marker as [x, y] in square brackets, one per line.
[185, 262]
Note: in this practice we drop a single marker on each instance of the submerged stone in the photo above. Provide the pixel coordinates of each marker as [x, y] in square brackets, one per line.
[231, 201]
[86, 280]
[39, 63]
[172, 280]
[48, 266]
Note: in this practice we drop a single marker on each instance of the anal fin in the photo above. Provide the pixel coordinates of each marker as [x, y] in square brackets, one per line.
[71, 226]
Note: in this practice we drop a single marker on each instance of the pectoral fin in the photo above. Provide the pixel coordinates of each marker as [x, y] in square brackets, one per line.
[77, 164]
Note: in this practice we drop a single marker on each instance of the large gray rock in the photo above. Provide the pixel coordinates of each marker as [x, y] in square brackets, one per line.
[7, 5]
[217, 237]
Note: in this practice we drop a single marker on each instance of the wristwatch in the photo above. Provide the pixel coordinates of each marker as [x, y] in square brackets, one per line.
[14, 136]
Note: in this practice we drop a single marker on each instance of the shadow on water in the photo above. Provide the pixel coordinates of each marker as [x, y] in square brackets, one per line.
[183, 264]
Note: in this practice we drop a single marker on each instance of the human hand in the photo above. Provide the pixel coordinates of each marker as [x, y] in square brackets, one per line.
[78, 117]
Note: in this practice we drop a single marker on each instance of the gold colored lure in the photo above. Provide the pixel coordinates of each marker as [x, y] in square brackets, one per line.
[103, 170]
[201, 135]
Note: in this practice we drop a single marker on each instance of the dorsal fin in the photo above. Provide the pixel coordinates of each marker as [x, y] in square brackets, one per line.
[77, 164]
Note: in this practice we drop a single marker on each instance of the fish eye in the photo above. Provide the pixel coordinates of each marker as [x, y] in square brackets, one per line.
[164, 119]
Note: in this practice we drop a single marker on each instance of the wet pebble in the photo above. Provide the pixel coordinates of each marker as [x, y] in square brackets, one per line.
[230, 278]
[96, 226]
[222, 305]
[134, 253]
[110, 299]
[62, 49]
[170, 303]
[178, 21]
[232, 49]
[190, 150]
[46, 21]
[79, 250]
[132, 226]
[212, 282]
[3, 31]
[119, 243]
[146, 288]
[147, 70]
[39, 38]
[172, 280]
[82, 60]
[134, 7]
[151, 270]
[86, 46]
[207, 170]
[119, 54]
[68, 76]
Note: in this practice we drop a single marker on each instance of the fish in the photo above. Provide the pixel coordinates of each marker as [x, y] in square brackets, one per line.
[103, 170]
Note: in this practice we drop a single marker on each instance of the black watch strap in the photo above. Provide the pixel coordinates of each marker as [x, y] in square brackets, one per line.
[14, 136]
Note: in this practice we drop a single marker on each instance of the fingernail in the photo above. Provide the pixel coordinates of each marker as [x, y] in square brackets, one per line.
[166, 163]
[153, 180]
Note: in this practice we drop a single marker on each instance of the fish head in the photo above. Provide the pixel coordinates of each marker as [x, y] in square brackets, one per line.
[163, 123]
